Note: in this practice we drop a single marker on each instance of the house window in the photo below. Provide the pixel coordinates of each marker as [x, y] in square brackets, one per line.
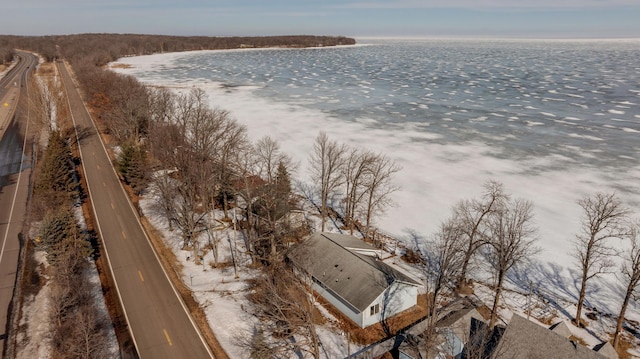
[374, 309]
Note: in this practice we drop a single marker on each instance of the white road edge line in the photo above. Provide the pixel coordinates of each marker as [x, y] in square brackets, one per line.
[135, 212]
[15, 194]
[75, 127]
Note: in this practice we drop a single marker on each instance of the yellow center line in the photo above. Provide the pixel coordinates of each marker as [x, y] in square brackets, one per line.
[166, 335]
[113, 206]
[124, 236]
[141, 277]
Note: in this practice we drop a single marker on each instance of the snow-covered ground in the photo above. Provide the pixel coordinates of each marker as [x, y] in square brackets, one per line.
[434, 178]
[35, 341]
[7, 69]
[223, 296]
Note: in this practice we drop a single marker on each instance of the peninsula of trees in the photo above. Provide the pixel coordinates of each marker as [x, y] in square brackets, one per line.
[100, 49]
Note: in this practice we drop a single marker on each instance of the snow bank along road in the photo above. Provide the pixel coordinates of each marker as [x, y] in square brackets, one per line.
[14, 179]
[158, 319]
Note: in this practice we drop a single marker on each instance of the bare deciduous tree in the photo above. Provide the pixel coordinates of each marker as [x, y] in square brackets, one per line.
[128, 112]
[197, 145]
[60, 304]
[164, 187]
[87, 338]
[188, 215]
[472, 216]
[355, 169]
[161, 105]
[441, 259]
[45, 100]
[604, 218]
[379, 187]
[631, 277]
[268, 155]
[248, 190]
[274, 196]
[232, 142]
[199, 133]
[511, 240]
[327, 161]
[285, 310]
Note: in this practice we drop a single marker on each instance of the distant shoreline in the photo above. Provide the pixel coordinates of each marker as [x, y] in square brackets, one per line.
[120, 63]
[500, 39]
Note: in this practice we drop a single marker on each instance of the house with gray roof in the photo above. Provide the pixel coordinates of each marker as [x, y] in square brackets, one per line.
[348, 273]
[524, 339]
[454, 332]
[462, 333]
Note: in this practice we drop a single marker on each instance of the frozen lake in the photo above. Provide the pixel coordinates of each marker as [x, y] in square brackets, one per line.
[552, 120]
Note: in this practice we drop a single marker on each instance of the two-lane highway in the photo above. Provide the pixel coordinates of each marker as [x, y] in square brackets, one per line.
[15, 170]
[158, 319]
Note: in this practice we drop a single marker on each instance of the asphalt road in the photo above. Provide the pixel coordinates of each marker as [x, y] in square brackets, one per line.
[15, 170]
[157, 318]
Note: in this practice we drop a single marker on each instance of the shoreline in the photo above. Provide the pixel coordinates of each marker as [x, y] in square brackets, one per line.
[122, 64]
[436, 174]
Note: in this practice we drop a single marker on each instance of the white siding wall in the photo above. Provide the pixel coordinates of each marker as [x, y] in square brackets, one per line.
[369, 319]
[356, 317]
[395, 299]
[402, 297]
[408, 294]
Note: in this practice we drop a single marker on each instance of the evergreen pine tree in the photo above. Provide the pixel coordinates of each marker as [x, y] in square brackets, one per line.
[56, 182]
[282, 191]
[63, 239]
[132, 165]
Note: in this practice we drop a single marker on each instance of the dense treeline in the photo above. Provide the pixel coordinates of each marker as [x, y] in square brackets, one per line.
[6, 55]
[100, 49]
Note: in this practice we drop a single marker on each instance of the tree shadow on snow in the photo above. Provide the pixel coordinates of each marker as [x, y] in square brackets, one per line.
[559, 286]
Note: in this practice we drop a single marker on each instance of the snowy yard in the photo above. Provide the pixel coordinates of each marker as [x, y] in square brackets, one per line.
[550, 298]
[222, 296]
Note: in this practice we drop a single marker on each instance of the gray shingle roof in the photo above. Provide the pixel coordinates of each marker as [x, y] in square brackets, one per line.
[358, 279]
[524, 339]
[607, 350]
[348, 241]
[561, 329]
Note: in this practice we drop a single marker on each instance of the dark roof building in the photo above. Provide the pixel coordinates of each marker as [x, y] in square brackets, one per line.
[524, 339]
[346, 271]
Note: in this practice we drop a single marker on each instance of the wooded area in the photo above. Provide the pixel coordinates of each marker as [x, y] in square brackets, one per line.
[196, 157]
[100, 49]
